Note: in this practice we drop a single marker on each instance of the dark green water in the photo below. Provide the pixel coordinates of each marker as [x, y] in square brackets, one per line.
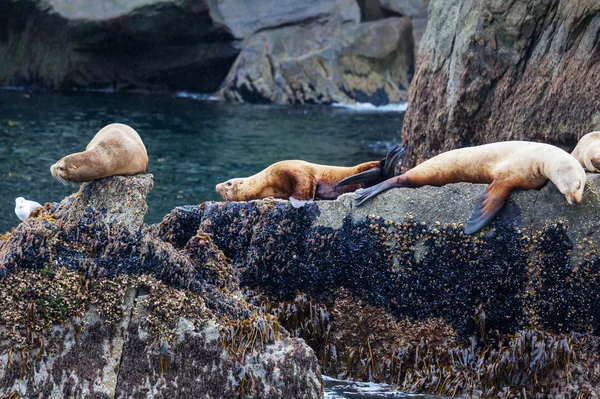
[192, 145]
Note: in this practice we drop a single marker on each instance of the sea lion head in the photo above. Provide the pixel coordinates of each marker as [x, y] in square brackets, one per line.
[570, 180]
[69, 168]
[233, 190]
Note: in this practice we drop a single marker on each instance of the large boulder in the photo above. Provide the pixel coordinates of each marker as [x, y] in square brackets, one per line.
[96, 304]
[243, 18]
[492, 71]
[395, 291]
[116, 45]
[321, 64]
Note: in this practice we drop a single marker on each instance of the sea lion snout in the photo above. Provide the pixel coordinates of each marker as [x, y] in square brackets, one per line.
[222, 190]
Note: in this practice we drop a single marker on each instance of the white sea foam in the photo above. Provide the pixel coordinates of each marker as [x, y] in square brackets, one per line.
[197, 96]
[342, 389]
[368, 107]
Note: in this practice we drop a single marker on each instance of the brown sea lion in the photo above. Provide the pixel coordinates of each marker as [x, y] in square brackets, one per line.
[116, 149]
[587, 152]
[506, 165]
[301, 180]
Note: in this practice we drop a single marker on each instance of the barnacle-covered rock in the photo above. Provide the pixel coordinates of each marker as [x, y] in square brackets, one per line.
[405, 275]
[95, 303]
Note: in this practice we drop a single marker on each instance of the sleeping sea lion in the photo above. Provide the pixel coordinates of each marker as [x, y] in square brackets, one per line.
[506, 165]
[587, 152]
[116, 149]
[306, 181]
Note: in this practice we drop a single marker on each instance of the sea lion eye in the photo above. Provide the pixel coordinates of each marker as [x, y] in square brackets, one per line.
[578, 185]
[61, 168]
[229, 184]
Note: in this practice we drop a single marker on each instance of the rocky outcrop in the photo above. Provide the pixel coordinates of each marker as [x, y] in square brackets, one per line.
[293, 51]
[95, 304]
[315, 51]
[370, 62]
[397, 278]
[491, 71]
[117, 45]
[242, 18]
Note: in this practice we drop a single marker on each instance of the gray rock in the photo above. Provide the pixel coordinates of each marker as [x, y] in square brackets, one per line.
[408, 8]
[243, 18]
[483, 75]
[370, 62]
[120, 198]
[114, 45]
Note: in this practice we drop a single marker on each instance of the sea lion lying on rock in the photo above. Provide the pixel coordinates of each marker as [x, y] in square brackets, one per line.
[587, 152]
[306, 181]
[506, 165]
[116, 149]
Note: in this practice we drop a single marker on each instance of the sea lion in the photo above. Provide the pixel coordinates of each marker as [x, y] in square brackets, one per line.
[587, 152]
[506, 165]
[116, 149]
[301, 180]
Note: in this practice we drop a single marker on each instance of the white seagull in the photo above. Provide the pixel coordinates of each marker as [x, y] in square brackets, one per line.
[24, 207]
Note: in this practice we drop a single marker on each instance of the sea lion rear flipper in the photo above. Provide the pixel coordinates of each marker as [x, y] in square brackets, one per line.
[363, 194]
[362, 177]
[394, 155]
[487, 207]
[386, 170]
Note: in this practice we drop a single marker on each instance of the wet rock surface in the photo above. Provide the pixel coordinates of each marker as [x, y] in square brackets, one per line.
[258, 298]
[493, 71]
[96, 305]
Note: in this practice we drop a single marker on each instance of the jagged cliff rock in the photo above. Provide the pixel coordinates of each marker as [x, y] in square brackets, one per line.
[385, 283]
[321, 64]
[95, 304]
[496, 70]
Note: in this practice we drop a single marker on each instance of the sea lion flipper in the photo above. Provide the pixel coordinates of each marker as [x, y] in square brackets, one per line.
[487, 207]
[363, 177]
[363, 194]
[394, 155]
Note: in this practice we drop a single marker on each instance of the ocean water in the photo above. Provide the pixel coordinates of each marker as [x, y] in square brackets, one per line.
[193, 143]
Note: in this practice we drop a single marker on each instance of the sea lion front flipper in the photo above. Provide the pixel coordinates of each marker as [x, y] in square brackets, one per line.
[304, 188]
[596, 163]
[488, 206]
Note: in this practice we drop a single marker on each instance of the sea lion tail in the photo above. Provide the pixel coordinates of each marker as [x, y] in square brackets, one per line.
[368, 176]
